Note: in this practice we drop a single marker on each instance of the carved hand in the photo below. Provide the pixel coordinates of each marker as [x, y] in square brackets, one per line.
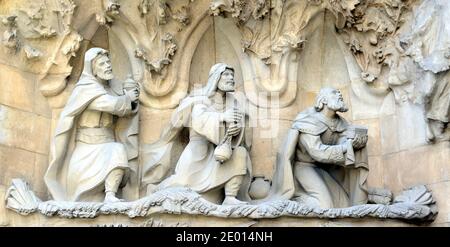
[233, 130]
[232, 116]
[133, 94]
[359, 142]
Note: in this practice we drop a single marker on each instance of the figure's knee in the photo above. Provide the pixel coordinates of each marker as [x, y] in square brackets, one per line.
[317, 192]
[240, 152]
[240, 157]
[118, 147]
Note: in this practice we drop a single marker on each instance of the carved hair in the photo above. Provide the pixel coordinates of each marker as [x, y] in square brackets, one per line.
[96, 58]
[321, 99]
[213, 79]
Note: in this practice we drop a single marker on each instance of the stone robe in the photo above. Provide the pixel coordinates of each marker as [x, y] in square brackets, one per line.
[196, 168]
[439, 108]
[85, 147]
[312, 160]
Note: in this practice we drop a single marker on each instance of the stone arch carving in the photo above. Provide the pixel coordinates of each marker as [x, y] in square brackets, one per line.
[163, 87]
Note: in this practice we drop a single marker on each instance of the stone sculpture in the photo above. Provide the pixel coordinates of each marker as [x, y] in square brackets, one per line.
[390, 58]
[428, 44]
[216, 155]
[98, 162]
[323, 162]
[439, 110]
[328, 179]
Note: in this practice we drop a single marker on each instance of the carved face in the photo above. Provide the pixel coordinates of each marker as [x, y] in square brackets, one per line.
[226, 82]
[102, 68]
[335, 101]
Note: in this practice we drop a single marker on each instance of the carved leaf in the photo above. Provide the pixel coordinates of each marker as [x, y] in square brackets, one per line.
[417, 195]
[20, 198]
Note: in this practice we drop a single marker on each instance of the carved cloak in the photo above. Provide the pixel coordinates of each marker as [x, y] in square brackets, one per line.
[85, 91]
[159, 159]
[284, 184]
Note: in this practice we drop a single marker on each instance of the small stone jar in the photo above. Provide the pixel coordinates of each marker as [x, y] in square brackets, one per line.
[259, 188]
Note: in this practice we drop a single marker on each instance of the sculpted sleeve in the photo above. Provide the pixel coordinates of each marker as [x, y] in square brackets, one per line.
[207, 123]
[329, 154]
[116, 105]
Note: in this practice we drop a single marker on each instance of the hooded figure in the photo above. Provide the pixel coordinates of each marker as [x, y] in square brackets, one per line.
[204, 116]
[90, 150]
[321, 163]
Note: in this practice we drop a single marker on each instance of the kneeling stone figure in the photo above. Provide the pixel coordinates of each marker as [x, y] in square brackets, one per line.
[323, 161]
[216, 155]
[87, 161]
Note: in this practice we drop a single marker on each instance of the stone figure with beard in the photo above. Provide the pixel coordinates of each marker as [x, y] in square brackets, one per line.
[95, 136]
[323, 162]
[215, 160]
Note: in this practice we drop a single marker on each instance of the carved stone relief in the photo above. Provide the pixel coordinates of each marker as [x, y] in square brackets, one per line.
[414, 204]
[389, 58]
[43, 32]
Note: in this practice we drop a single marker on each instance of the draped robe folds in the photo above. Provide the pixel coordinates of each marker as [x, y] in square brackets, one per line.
[307, 148]
[168, 162]
[431, 25]
[81, 158]
[196, 167]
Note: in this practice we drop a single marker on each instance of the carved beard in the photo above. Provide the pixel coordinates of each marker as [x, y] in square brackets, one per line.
[337, 105]
[226, 86]
[105, 75]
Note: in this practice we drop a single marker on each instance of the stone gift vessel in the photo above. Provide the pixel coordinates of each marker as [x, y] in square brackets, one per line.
[259, 188]
[145, 113]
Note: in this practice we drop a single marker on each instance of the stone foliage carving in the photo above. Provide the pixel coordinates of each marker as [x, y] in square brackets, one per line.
[365, 26]
[20, 198]
[368, 28]
[10, 39]
[413, 204]
[152, 39]
[37, 28]
[43, 32]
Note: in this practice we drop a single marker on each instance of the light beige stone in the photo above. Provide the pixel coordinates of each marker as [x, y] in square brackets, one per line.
[18, 88]
[421, 165]
[376, 172]
[306, 99]
[441, 191]
[151, 123]
[41, 105]
[284, 126]
[203, 58]
[388, 134]
[322, 62]
[16, 163]
[40, 167]
[374, 143]
[3, 220]
[17, 128]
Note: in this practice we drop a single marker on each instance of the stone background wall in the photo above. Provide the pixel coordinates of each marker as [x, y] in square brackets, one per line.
[35, 89]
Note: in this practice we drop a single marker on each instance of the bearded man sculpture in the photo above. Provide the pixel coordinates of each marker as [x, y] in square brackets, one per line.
[323, 162]
[216, 157]
[89, 155]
